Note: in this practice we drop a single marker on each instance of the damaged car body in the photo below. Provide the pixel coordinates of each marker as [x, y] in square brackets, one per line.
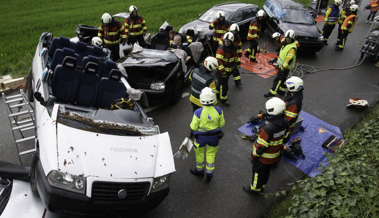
[97, 152]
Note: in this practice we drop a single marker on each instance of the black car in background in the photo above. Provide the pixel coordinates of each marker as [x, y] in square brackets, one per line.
[238, 13]
[283, 15]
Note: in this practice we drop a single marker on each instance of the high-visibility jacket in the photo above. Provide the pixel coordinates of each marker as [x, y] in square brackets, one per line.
[135, 26]
[208, 119]
[293, 107]
[374, 6]
[200, 78]
[219, 29]
[227, 58]
[254, 29]
[331, 15]
[287, 56]
[237, 41]
[271, 139]
[189, 39]
[112, 33]
[349, 23]
[343, 14]
[283, 39]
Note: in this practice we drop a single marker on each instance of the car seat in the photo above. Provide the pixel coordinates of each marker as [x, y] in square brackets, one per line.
[87, 86]
[160, 41]
[60, 55]
[110, 89]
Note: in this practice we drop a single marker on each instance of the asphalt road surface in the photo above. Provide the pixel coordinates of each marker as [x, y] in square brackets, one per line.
[326, 95]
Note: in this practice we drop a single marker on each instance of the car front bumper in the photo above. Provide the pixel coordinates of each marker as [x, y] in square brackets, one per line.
[79, 205]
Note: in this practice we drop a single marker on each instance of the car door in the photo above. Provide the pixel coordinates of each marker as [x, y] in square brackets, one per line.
[248, 15]
[272, 20]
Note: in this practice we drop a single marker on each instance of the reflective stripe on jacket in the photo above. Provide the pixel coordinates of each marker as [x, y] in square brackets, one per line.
[286, 56]
[135, 26]
[200, 78]
[207, 119]
[331, 15]
[219, 29]
[271, 139]
[374, 5]
[254, 29]
[227, 58]
[112, 33]
[349, 23]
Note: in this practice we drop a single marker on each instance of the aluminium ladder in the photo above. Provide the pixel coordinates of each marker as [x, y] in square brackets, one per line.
[21, 120]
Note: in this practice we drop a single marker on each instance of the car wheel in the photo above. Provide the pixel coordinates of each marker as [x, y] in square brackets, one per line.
[33, 174]
[276, 45]
[177, 94]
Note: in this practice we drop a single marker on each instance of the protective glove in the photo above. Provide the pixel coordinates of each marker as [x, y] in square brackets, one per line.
[211, 28]
[254, 120]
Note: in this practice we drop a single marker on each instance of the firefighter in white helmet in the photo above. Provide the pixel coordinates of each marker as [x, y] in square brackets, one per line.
[112, 33]
[219, 26]
[135, 27]
[293, 100]
[234, 28]
[228, 60]
[206, 124]
[341, 18]
[255, 29]
[266, 152]
[330, 20]
[286, 62]
[200, 78]
[347, 27]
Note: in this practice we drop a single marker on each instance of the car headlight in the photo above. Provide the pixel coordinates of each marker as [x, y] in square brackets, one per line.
[158, 86]
[160, 183]
[67, 182]
[321, 38]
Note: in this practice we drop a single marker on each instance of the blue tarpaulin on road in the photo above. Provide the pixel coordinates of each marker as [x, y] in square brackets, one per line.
[315, 134]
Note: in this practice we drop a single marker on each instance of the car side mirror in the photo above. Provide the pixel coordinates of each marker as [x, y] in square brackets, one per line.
[39, 98]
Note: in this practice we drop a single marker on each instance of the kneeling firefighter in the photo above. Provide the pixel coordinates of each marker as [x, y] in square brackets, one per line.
[206, 124]
[272, 137]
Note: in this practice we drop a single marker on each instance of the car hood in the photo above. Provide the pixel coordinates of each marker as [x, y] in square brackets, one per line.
[301, 29]
[91, 154]
[197, 25]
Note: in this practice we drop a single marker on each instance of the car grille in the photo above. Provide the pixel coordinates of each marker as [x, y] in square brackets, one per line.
[306, 39]
[107, 192]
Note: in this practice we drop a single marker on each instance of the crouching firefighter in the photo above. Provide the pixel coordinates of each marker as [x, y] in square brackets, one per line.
[206, 124]
[294, 100]
[201, 78]
[269, 145]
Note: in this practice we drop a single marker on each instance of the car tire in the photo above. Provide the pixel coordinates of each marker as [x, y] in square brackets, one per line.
[33, 174]
[177, 94]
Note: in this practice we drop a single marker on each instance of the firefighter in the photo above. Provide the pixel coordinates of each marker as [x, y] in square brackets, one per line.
[228, 59]
[135, 27]
[201, 78]
[342, 16]
[255, 29]
[220, 26]
[238, 42]
[374, 7]
[347, 27]
[272, 137]
[286, 62]
[206, 124]
[330, 20]
[111, 32]
[293, 100]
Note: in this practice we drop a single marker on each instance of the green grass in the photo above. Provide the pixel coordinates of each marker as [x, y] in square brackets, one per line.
[24, 21]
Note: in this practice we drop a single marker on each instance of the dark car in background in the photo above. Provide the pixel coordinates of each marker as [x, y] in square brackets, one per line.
[238, 13]
[283, 15]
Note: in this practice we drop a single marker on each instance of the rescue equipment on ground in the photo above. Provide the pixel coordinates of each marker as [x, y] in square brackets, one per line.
[184, 149]
[287, 152]
[358, 103]
[296, 147]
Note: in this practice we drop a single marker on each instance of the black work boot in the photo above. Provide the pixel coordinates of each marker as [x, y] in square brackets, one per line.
[247, 189]
[253, 60]
[247, 54]
[238, 82]
[208, 179]
[225, 102]
[197, 173]
[269, 94]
